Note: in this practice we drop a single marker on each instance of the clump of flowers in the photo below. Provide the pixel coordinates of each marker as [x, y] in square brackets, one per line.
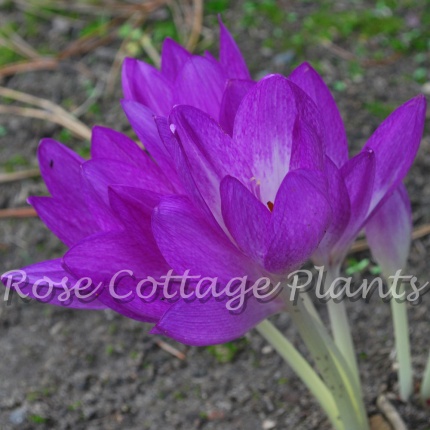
[241, 181]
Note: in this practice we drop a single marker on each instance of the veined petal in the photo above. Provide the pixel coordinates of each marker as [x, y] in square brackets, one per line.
[300, 217]
[188, 242]
[341, 212]
[209, 322]
[173, 58]
[264, 130]
[200, 84]
[231, 58]
[133, 207]
[210, 152]
[61, 170]
[181, 165]
[103, 255]
[119, 262]
[108, 143]
[389, 232]
[99, 174]
[396, 143]
[234, 93]
[70, 223]
[335, 142]
[48, 282]
[246, 218]
[358, 174]
[145, 84]
[142, 120]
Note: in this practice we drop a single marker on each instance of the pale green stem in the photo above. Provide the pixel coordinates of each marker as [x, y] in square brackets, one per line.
[307, 301]
[401, 335]
[333, 367]
[340, 325]
[425, 385]
[303, 370]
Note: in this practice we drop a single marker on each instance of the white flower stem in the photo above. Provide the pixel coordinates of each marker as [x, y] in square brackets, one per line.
[425, 384]
[303, 370]
[401, 335]
[340, 325]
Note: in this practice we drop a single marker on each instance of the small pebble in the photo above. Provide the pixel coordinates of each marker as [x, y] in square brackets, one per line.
[18, 415]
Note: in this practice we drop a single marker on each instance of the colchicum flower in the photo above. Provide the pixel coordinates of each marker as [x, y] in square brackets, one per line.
[250, 204]
[242, 181]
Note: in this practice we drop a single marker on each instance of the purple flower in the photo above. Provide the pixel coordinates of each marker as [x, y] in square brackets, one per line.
[250, 202]
[367, 186]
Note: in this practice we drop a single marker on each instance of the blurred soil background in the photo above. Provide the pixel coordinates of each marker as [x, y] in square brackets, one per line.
[59, 76]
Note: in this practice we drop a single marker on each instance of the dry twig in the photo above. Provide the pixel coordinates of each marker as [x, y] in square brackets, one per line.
[49, 111]
[390, 413]
[18, 176]
[17, 213]
[170, 349]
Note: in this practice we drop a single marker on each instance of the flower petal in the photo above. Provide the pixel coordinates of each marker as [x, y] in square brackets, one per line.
[231, 58]
[200, 84]
[133, 207]
[119, 262]
[210, 152]
[61, 170]
[341, 212]
[208, 323]
[396, 143]
[310, 81]
[301, 215]
[99, 174]
[187, 242]
[358, 174]
[234, 93]
[173, 58]
[264, 129]
[246, 218]
[108, 143]
[48, 282]
[142, 120]
[389, 232]
[70, 223]
[145, 84]
[102, 255]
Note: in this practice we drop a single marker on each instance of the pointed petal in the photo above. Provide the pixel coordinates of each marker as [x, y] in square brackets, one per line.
[231, 58]
[358, 174]
[341, 212]
[142, 120]
[187, 242]
[173, 58]
[133, 207]
[396, 143]
[264, 129]
[207, 323]
[307, 149]
[335, 137]
[61, 170]
[125, 263]
[48, 282]
[120, 252]
[389, 232]
[301, 215]
[234, 93]
[200, 84]
[108, 143]
[210, 153]
[145, 84]
[246, 218]
[70, 223]
[99, 174]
